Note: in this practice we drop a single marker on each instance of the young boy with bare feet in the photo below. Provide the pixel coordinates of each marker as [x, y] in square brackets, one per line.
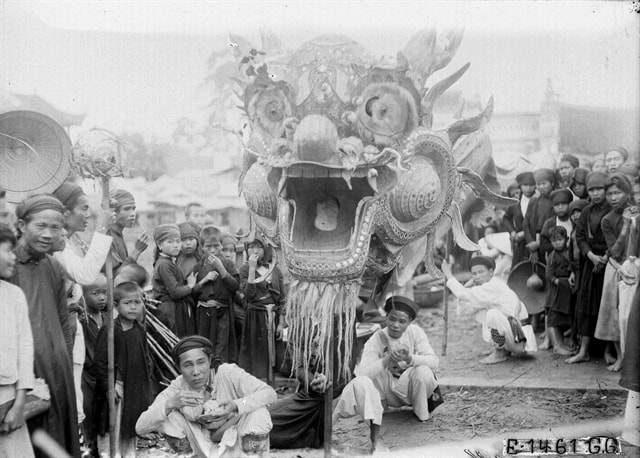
[559, 299]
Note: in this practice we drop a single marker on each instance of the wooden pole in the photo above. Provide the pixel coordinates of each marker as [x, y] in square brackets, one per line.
[111, 377]
[328, 395]
[446, 299]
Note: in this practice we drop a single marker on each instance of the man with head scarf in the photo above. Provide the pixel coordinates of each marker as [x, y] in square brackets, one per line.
[514, 216]
[81, 263]
[504, 318]
[396, 369]
[40, 225]
[227, 405]
[124, 205]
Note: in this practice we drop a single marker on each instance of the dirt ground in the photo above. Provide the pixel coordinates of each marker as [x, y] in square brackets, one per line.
[470, 412]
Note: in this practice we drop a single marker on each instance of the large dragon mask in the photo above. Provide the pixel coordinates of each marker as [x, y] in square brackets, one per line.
[342, 168]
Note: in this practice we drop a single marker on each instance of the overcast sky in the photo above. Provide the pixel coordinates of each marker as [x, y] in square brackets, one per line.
[136, 65]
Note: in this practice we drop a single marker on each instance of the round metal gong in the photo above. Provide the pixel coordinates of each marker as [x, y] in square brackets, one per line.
[34, 154]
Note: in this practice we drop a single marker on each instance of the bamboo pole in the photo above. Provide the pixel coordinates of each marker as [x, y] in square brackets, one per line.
[111, 378]
[328, 394]
[446, 299]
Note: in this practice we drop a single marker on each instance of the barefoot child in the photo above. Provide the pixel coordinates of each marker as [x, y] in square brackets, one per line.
[16, 354]
[559, 298]
[561, 199]
[132, 369]
[95, 300]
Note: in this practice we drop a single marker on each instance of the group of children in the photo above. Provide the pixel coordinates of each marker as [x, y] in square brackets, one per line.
[582, 226]
[198, 290]
[201, 291]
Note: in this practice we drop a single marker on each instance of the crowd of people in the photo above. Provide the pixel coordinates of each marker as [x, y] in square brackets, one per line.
[227, 310]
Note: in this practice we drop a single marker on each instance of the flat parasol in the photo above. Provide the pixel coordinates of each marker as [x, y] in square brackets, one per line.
[34, 154]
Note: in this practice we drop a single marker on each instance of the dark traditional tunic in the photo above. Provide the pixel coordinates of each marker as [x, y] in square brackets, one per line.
[42, 280]
[513, 220]
[133, 368]
[254, 347]
[90, 330]
[559, 296]
[539, 210]
[214, 314]
[119, 253]
[589, 237]
[187, 264]
[170, 287]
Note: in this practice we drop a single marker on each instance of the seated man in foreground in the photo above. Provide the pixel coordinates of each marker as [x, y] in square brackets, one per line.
[204, 409]
[396, 370]
[504, 318]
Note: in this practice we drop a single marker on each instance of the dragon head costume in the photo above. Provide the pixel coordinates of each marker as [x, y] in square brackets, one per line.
[342, 170]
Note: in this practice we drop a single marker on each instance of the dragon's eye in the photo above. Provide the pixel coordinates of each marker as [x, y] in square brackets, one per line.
[274, 111]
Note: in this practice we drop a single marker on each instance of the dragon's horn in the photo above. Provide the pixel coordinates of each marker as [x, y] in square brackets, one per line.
[466, 126]
[481, 190]
[437, 90]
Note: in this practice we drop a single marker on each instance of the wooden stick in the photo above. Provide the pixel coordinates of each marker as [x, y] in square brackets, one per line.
[111, 377]
[446, 299]
[328, 395]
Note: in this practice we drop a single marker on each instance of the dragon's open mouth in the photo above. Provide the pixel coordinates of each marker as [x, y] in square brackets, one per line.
[324, 218]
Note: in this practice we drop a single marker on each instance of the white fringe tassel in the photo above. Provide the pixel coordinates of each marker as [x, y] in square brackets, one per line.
[310, 310]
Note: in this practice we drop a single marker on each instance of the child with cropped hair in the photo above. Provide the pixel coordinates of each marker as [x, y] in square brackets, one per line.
[94, 318]
[215, 313]
[559, 299]
[133, 369]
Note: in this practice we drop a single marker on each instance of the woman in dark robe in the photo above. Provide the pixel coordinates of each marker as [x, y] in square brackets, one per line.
[593, 247]
[263, 289]
[40, 224]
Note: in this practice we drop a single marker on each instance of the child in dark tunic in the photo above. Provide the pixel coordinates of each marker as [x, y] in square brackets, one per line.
[169, 284]
[132, 370]
[94, 318]
[215, 314]
[190, 252]
[262, 285]
[559, 299]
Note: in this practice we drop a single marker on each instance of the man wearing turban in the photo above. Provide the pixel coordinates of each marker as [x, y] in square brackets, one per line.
[207, 412]
[505, 323]
[396, 369]
[124, 205]
[40, 224]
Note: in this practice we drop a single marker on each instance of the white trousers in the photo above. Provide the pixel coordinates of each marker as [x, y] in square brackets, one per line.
[364, 397]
